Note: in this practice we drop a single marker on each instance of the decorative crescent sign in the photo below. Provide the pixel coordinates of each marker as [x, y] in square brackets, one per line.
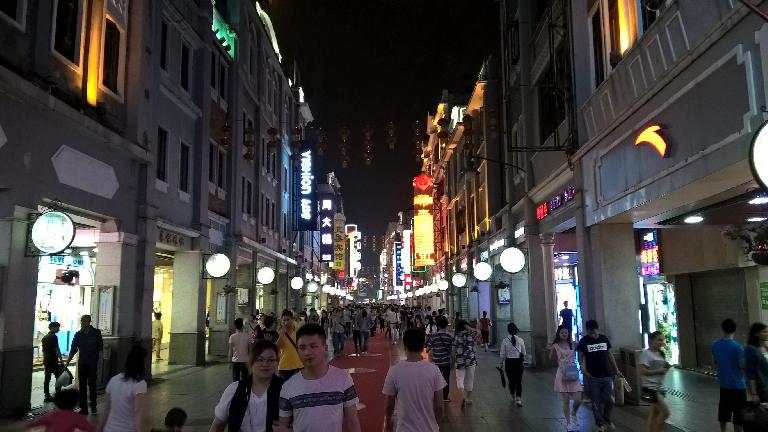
[217, 265]
[651, 137]
[758, 157]
[52, 232]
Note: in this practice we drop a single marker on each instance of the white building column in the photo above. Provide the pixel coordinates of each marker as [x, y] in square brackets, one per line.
[18, 290]
[548, 267]
[187, 344]
[615, 286]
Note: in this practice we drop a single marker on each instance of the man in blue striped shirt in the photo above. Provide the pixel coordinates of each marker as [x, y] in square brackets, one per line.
[439, 346]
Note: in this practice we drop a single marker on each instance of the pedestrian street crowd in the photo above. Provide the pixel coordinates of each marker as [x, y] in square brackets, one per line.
[282, 379]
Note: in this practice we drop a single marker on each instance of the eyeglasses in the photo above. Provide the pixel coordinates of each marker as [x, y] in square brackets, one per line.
[265, 360]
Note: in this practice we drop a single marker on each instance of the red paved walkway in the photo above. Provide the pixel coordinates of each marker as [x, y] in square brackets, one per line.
[368, 383]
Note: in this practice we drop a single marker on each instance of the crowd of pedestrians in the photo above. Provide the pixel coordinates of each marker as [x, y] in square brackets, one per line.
[282, 380]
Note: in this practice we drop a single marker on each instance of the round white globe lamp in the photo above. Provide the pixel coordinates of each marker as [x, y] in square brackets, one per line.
[512, 260]
[217, 265]
[482, 271]
[296, 282]
[313, 287]
[265, 275]
[442, 285]
[459, 280]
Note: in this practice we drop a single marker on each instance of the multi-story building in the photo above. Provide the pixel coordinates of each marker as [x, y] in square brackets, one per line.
[165, 132]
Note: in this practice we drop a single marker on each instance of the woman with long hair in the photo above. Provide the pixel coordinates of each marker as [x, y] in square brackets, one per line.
[252, 404]
[756, 356]
[126, 395]
[431, 327]
[418, 322]
[512, 353]
[653, 367]
[567, 376]
[466, 360]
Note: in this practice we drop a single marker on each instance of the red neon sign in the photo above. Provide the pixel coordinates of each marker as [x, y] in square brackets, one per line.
[542, 211]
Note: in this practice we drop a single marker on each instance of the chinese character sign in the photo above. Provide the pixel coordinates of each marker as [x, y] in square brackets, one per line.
[339, 242]
[326, 216]
[423, 228]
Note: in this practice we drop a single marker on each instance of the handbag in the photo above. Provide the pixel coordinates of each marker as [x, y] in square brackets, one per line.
[570, 372]
[501, 375]
[64, 379]
[755, 417]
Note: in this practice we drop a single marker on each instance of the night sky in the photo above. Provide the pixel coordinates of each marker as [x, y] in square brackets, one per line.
[372, 61]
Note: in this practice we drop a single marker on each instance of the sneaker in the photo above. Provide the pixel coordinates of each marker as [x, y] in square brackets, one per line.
[609, 426]
[520, 402]
[48, 398]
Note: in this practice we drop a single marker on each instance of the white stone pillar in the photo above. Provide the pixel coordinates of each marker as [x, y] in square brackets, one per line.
[187, 344]
[548, 267]
[18, 290]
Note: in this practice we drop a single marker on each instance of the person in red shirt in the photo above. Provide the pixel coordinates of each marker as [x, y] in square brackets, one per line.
[63, 418]
[485, 329]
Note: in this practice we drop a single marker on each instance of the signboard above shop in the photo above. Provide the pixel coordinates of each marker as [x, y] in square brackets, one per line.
[52, 232]
[758, 157]
[556, 202]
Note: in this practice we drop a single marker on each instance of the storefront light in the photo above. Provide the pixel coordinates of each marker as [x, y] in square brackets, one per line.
[217, 265]
[265, 275]
[693, 219]
[442, 285]
[756, 219]
[312, 287]
[513, 260]
[482, 271]
[409, 295]
[296, 282]
[459, 280]
[52, 232]
[763, 199]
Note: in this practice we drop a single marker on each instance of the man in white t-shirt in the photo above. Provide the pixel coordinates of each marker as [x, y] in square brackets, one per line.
[415, 388]
[320, 398]
[239, 346]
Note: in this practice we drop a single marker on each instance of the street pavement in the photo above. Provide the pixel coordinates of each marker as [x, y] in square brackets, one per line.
[692, 398]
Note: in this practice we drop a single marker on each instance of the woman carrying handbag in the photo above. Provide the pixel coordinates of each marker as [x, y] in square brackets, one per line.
[567, 376]
[512, 355]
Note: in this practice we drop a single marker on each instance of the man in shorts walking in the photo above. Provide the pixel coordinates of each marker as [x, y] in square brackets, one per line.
[729, 358]
[320, 397]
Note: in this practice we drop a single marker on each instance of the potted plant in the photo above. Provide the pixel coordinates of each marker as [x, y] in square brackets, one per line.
[755, 238]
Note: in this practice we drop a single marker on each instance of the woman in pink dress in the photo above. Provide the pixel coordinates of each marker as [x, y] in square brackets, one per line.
[567, 377]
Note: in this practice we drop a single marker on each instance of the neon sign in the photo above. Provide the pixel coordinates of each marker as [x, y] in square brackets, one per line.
[650, 136]
[423, 223]
[545, 209]
[650, 264]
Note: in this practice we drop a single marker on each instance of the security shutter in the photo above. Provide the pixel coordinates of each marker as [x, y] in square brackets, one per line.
[716, 295]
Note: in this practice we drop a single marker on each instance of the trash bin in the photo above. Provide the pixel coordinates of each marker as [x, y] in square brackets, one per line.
[628, 358]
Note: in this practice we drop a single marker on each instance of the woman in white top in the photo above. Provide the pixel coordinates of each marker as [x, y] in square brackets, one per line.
[512, 355]
[431, 327]
[126, 396]
[653, 367]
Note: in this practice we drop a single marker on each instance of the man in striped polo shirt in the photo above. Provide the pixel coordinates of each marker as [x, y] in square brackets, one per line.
[440, 346]
[320, 398]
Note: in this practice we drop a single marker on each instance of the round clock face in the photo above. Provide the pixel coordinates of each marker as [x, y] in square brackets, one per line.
[53, 232]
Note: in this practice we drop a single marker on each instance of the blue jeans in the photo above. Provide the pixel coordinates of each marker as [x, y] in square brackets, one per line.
[601, 393]
[338, 342]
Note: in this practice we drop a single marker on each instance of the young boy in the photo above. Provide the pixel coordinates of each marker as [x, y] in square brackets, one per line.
[63, 418]
[320, 397]
[416, 387]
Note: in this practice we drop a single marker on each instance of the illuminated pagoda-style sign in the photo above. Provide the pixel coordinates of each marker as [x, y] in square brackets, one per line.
[224, 33]
[423, 228]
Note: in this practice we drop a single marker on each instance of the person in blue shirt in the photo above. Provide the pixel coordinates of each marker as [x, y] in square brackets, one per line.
[729, 358]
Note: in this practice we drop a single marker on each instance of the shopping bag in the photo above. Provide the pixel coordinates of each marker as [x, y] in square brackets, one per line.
[755, 417]
[618, 389]
[501, 375]
[64, 379]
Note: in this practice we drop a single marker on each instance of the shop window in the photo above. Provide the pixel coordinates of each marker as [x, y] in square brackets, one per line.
[164, 45]
[223, 79]
[220, 170]
[212, 152]
[161, 158]
[67, 24]
[14, 11]
[214, 68]
[185, 66]
[184, 168]
[111, 65]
